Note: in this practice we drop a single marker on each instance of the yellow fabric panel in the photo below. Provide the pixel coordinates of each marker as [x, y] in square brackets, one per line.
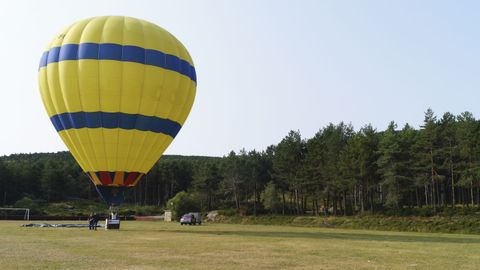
[113, 30]
[58, 39]
[57, 99]
[94, 30]
[162, 89]
[131, 156]
[141, 157]
[88, 83]
[99, 159]
[95, 179]
[125, 138]
[132, 83]
[72, 144]
[74, 34]
[153, 91]
[85, 146]
[136, 148]
[83, 136]
[181, 100]
[53, 82]
[118, 180]
[110, 85]
[81, 147]
[45, 93]
[167, 99]
[156, 150]
[133, 32]
[67, 71]
[188, 104]
[110, 145]
[81, 139]
[160, 39]
[109, 91]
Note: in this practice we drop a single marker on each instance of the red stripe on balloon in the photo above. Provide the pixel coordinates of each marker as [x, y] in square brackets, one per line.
[105, 178]
[131, 178]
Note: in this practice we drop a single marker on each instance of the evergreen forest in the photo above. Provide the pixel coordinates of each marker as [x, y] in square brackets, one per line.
[339, 171]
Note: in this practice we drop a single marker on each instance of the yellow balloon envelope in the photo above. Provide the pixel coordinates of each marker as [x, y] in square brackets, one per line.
[117, 90]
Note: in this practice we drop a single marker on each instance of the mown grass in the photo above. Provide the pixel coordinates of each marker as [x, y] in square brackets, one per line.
[159, 245]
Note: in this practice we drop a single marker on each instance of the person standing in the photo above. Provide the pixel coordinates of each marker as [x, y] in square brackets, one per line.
[96, 217]
[90, 221]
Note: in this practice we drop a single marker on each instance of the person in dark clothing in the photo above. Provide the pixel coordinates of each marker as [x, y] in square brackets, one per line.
[96, 217]
[90, 221]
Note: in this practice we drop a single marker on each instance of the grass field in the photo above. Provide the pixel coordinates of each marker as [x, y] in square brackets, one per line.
[159, 245]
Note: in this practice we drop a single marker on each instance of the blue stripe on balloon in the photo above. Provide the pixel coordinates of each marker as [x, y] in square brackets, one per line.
[68, 52]
[43, 60]
[87, 51]
[109, 51]
[134, 54]
[117, 52]
[120, 120]
[53, 55]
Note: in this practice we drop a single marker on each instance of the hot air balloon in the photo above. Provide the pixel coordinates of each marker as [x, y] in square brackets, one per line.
[117, 90]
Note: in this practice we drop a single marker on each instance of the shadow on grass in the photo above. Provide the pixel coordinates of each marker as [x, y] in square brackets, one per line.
[325, 235]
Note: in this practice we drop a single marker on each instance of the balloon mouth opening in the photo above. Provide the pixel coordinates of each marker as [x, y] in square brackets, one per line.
[113, 196]
[112, 186]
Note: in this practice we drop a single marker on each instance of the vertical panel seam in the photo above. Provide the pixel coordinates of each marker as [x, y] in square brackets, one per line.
[120, 98]
[167, 141]
[66, 134]
[100, 95]
[135, 159]
[145, 157]
[94, 153]
[81, 103]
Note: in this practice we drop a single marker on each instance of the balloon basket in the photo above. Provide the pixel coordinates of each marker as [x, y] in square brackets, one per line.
[113, 222]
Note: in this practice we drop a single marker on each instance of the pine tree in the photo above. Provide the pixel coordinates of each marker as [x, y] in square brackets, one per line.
[389, 167]
[407, 138]
[448, 151]
[426, 159]
[368, 155]
[469, 167]
[287, 162]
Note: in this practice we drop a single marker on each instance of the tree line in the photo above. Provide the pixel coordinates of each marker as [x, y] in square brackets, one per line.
[339, 171]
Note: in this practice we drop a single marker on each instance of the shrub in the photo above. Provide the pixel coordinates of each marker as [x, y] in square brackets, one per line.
[183, 203]
[271, 198]
[228, 212]
[26, 202]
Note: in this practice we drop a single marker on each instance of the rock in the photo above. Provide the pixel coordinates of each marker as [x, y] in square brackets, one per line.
[212, 215]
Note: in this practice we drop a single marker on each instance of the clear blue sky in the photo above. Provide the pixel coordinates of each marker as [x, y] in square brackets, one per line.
[267, 67]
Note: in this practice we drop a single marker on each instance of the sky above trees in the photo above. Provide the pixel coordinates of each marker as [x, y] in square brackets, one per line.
[267, 67]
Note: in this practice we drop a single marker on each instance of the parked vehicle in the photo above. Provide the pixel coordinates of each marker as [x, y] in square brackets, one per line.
[191, 219]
